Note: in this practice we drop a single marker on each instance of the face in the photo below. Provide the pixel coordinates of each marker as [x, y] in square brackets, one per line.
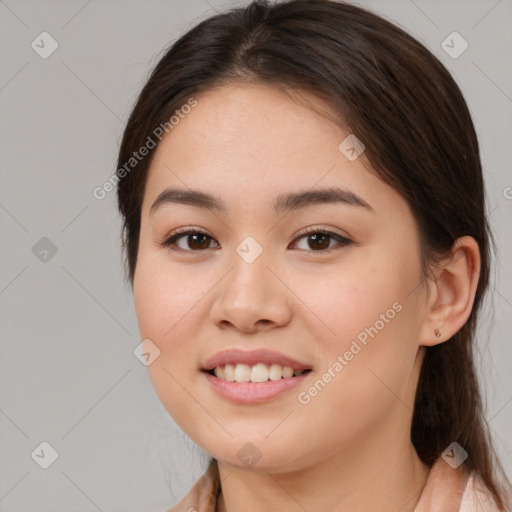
[327, 284]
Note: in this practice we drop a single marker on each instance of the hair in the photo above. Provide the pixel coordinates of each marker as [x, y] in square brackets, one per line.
[402, 103]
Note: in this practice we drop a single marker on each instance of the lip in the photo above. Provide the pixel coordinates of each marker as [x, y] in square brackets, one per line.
[253, 392]
[252, 357]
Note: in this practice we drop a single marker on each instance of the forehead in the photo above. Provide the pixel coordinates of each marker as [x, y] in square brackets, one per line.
[252, 143]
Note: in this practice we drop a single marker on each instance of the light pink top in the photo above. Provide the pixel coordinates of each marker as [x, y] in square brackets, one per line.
[446, 490]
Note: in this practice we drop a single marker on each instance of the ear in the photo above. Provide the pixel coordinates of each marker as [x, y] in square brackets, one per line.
[451, 292]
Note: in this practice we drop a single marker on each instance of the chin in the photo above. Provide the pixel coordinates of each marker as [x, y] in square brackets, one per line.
[259, 455]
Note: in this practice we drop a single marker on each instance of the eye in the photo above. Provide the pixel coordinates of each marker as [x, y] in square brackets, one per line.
[195, 239]
[320, 240]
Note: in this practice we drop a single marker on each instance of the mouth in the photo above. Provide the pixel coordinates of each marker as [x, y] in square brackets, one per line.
[254, 376]
[257, 365]
[256, 373]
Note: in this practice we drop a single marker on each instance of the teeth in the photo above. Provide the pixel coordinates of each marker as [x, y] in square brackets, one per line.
[259, 373]
[287, 372]
[220, 372]
[242, 373]
[256, 373]
[229, 372]
[275, 372]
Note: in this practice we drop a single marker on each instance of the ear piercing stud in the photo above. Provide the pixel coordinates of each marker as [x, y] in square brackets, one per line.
[437, 333]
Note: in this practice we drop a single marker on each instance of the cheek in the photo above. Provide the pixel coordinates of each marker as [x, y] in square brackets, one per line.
[350, 303]
[164, 303]
[163, 296]
[362, 382]
[368, 331]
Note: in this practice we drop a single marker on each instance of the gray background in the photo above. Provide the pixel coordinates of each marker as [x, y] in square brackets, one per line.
[68, 375]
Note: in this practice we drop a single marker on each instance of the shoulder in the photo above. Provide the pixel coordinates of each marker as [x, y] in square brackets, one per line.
[477, 498]
[453, 490]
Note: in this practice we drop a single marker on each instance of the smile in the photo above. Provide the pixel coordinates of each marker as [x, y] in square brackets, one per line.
[259, 372]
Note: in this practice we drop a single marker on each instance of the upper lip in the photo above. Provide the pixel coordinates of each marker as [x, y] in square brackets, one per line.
[252, 357]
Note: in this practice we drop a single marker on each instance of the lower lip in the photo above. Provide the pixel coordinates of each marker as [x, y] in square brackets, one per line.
[254, 392]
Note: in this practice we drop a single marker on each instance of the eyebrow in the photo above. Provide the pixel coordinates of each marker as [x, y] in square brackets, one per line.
[283, 203]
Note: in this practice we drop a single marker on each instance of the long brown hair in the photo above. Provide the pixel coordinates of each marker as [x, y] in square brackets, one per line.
[395, 95]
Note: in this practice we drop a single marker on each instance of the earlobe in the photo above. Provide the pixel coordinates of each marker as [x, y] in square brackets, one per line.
[452, 293]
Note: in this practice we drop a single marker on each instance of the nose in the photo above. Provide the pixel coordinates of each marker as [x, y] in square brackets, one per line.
[252, 297]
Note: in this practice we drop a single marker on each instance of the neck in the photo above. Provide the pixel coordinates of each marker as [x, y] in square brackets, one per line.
[381, 474]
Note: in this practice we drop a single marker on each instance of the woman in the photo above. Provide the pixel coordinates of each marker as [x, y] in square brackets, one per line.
[305, 231]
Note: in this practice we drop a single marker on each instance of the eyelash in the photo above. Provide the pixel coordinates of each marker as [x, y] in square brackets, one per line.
[170, 242]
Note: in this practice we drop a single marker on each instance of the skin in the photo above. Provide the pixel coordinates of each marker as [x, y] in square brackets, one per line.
[349, 448]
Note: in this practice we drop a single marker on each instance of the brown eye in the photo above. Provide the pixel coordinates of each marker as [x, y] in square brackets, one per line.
[193, 241]
[318, 240]
[198, 241]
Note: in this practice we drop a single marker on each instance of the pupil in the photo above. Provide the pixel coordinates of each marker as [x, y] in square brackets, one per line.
[323, 237]
[198, 245]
